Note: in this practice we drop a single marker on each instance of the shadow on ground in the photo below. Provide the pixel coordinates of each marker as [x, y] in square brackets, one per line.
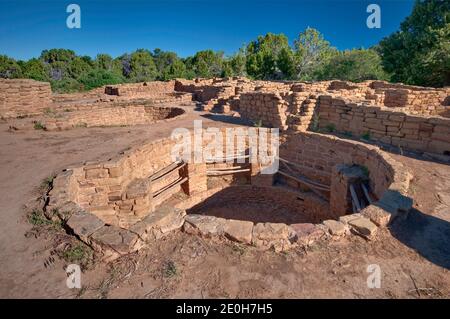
[429, 236]
[227, 119]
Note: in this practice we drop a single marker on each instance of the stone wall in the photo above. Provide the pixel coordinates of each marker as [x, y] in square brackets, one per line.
[118, 191]
[111, 116]
[420, 133]
[315, 155]
[141, 89]
[267, 109]
[23, 97]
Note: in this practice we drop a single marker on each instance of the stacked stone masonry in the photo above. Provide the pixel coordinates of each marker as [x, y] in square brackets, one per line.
[410, 117]
[111, 115]
[23, 97]
[116, 198]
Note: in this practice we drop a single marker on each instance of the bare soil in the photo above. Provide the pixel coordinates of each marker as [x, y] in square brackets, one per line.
[414, 253]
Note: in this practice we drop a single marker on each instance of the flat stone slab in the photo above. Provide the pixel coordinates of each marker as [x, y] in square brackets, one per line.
[346, 218]
[336, 228]
[364, 227]
[118, 239]
[163, 220]
[205, 225]
[84, 224]
[238, 230]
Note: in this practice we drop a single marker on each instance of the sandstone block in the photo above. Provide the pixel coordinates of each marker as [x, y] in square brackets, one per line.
[377, 215]
[238, 230]
[336, 228]
[364, 227]
[204, 225]
[276, 235]
[84, 224]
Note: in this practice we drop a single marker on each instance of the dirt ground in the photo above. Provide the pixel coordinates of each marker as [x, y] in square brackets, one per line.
[414, 254]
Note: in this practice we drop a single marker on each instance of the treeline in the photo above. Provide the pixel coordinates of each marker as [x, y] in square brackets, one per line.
[419, 53]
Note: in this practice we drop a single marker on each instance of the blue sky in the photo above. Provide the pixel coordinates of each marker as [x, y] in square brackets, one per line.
[186, 26]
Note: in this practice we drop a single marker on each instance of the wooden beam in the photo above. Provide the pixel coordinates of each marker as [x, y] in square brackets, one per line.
[227, 172]
[355, 198]
[166, 170]
[225, 159]
[366, 193]
[285, 162]
[171, 185]
[306, 181]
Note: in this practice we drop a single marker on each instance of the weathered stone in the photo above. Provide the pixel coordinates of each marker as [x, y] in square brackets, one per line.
[97, 173]
[161, 221]
[307, 233]
[335, 228]
[364, 227]
[204, 225]
[377, 215]
[84, 224]
[346, 218]
[110, 239]
[276, 235]
[238, 230]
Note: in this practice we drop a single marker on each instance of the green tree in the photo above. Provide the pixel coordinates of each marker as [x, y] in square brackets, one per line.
[168, 65]
[57, 55]
[206, 64]
[312, 51]
[177, 69]
[419, 53]
[142, 66]
[99, 77]
[79, 66]
[353, 65]
[227, 70]
[286, 63]
[9, 68]
[262, 56]
[35, 69]
[237, 63]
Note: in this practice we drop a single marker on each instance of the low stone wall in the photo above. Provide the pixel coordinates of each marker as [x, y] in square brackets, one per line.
[420, 133]
[141, 89]
[23, 97]
[111, 116]
[410, 99]
[106, 190]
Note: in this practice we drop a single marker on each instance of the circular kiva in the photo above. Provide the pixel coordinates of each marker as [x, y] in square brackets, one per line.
[325, 188]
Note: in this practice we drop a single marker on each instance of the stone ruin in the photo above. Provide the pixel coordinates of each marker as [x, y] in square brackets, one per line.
[404, 116]
[120, 205]
[326, 186]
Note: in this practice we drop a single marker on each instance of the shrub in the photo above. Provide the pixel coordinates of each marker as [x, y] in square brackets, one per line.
[97, 78]
[39, 126]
